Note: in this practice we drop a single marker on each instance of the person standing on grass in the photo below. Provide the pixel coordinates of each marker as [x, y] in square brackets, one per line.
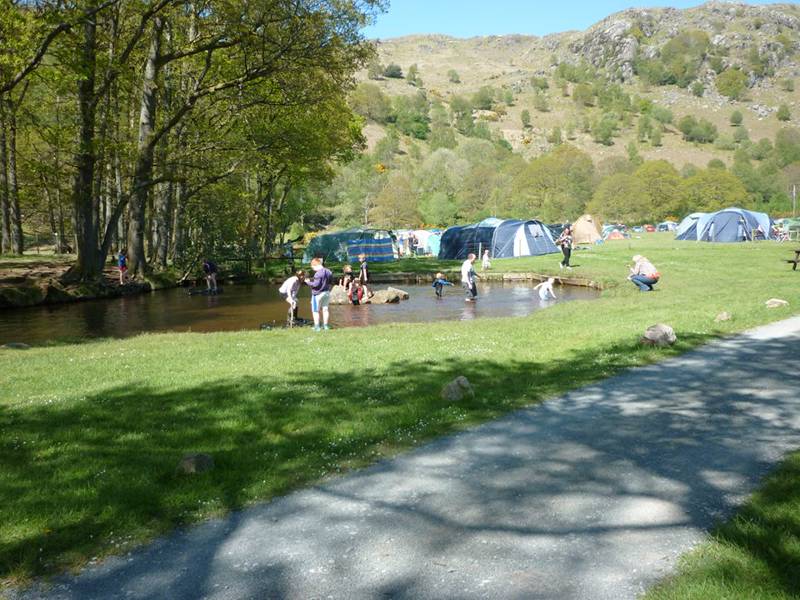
[565, 241]
[485, 262]
[289, 291]
[363, 275]
[469, 277]
[644, 274]
[210, 269]
[122, 265]
[320, 286]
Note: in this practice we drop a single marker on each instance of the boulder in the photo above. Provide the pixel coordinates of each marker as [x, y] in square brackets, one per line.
[658, 335]
[723, 316]
[192, 464]
[384, 297]
[403, 294]
[16, 346]
[776, 303]
[338, 295]
[458, 389]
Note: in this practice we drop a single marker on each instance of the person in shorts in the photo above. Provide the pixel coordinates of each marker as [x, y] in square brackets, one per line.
[122, 265]
[320, 285]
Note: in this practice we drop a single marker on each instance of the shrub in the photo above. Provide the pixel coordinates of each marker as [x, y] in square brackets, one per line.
[526, 118]
[540, 102]
[483, 98]
[604, 129]
[701, 131]
[787, 85]
[655, 137]
[583, 95]
[555, 136]
[452, 75]
[732, 83]
[783, 113]
[698, 89]
[662, 115]
[540, 83]
[716, 163]
[740, 135]
[736, 118]
[394, 71]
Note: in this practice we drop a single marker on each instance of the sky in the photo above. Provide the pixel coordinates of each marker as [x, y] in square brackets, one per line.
[466, 18]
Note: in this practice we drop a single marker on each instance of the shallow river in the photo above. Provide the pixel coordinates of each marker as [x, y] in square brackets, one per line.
[248, 306]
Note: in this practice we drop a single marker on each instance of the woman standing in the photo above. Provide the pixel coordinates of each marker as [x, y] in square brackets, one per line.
[565, 241]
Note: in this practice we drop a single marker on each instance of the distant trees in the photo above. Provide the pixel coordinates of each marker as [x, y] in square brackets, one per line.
[369, 101]
[413, 76]
[694, 130]
[393, 71]
[678, 62]
[483, 99]
[453, 77]
[732, 83]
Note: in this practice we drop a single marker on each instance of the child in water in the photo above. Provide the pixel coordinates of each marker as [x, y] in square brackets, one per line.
[438, 284]
[355, 293]
[289, 291]
[347, 278]
[485, 263]
[546, 289]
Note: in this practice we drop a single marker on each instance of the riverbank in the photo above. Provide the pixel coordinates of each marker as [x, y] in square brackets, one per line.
[93, 431]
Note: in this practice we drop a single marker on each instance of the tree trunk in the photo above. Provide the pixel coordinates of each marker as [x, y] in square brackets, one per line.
[143, 172]
[17, 241]
[179, 242]
[88, 266]
[5, 210]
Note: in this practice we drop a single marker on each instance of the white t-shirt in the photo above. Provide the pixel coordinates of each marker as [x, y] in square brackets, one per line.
[466, 272]
[290, 287]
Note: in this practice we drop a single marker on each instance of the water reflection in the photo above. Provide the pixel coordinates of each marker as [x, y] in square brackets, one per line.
[248, 306]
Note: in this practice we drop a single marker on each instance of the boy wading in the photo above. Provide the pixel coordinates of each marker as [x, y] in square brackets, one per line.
[468, 277]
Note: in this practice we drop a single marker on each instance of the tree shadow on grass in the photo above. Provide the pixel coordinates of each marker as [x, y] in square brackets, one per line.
[99, 469]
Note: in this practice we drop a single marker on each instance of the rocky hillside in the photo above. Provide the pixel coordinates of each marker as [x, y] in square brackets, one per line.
[672, 58]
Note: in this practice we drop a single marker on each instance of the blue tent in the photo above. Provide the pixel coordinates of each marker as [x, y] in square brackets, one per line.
[733, 225]
[503, 239]
[335, 246]
[376, 250]
[687, 229]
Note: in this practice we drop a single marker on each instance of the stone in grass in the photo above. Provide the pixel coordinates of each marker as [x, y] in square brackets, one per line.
[776, 303]
[658, 335]
[723, 316]
[192, 464]
[458, 389]
[16, 346]
[402, 293]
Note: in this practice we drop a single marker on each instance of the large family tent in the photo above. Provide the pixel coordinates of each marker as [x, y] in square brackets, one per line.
[585, 231]
[734, 225]
[687, 229]
[503, 239]
[345, 245]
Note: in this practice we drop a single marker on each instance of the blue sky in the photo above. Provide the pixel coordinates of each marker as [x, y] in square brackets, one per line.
[465, 18]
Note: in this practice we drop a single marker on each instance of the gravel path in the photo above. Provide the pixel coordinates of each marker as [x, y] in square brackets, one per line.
[592, 495]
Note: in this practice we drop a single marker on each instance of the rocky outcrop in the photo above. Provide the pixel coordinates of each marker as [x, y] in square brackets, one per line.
[659, 335]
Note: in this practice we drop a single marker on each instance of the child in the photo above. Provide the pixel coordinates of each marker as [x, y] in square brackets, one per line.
[546, 289]
[485, 263]
[356, 293]
[210, 269]
[438, 284]
[468, 277]
[363, 275]
[122, 264]
[320, 286]
[289, 291]
[347, 277]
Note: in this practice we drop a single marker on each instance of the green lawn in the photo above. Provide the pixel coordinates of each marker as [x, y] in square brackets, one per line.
[90, 433]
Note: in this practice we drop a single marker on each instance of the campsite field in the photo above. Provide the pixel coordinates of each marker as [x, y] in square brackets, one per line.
[91, 432]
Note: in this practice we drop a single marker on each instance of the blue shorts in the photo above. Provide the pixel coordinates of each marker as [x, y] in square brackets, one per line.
[320, 301]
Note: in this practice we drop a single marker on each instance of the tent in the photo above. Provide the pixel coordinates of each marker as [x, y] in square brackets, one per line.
[687, 229]
[428, 241]
[614, 234]
[503, 239]
[667, 226]
[734, 225]
[585, 230]
[347, 244]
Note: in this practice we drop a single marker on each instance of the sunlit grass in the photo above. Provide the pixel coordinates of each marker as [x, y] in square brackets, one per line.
[90, 433]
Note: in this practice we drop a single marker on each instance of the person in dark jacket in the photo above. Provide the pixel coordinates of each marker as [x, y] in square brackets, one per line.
[320, 285]
[210, 269]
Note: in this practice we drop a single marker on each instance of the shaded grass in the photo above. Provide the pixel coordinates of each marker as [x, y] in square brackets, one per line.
[91, 433]
[755, 555]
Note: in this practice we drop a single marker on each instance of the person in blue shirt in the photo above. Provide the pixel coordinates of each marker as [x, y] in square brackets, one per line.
[122, 265]
[438, 284]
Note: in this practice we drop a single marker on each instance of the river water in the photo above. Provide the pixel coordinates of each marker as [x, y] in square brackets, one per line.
[248, 306]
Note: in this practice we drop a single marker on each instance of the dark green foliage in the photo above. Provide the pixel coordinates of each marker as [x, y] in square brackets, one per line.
[655, 137]
[462, 114]
[662, 115]
[701, 131]
[393, 71]
[783, 113]
[698, 89]
[678, 62]
[736, 118]
[740, 135]
[787, 146]
[452, 76]
[604, 129]
[483, 98]
[580, 73]
[482, 131]
[412, 115]
[716, 163]
[760, 150]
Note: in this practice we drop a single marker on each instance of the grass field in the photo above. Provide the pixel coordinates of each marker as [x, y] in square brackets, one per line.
[90, 433]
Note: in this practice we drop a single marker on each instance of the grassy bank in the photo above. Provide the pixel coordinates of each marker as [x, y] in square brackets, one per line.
[755, 555]
[91, 433]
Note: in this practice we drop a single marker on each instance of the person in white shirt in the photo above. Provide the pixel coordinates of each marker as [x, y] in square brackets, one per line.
[289, 291]
[485, 262]
[468, 277]
[546, 289]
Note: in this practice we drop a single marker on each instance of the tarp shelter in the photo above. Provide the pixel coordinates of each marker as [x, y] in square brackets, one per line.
[503, 239]
[734, 225]
[428, 241]
[339, 246]
[585, 230]
[687, 229]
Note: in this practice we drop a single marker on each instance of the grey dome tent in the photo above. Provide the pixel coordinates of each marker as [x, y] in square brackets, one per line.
[687, 229]
[503, 239]
[733, 225]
